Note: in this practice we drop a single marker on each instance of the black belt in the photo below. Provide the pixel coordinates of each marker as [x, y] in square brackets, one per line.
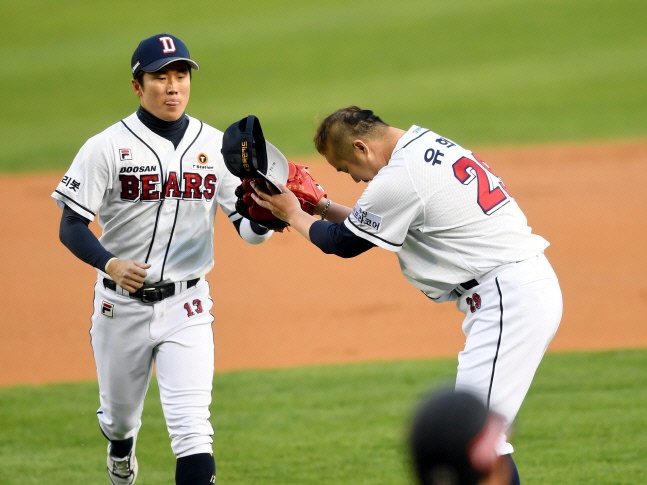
[468, 285]
[151, 293]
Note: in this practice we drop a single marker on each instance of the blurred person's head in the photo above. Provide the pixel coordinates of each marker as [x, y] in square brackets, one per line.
[452, 441]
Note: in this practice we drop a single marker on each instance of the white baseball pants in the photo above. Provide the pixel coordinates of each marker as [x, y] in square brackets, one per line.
[176, 335]
[510, 318]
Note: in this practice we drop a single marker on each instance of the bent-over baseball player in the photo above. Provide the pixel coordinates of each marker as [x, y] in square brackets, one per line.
[459, 236]
[154, 179]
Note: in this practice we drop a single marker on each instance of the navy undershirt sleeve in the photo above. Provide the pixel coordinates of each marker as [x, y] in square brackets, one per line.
[333, 238]
[75, 234]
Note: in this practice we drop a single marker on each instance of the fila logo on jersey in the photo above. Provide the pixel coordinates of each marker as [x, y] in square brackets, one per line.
[107, 309]
[366, 218]
[125, 154]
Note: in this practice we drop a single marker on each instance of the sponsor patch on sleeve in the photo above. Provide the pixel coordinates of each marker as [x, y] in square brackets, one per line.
[71, 183]
[367, 218]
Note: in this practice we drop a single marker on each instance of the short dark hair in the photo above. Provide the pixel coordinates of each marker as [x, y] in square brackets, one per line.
[139, 77]
[337, 130]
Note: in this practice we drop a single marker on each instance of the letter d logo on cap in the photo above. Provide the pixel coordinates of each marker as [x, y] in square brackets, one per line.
[168, 44]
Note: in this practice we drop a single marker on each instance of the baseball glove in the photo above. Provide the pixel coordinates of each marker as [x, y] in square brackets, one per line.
[248, 208]
[301, 183]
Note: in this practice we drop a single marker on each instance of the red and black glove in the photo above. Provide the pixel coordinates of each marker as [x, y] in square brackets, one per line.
[299, 182]
[249, 209]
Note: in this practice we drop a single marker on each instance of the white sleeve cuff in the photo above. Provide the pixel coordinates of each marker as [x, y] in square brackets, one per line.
[248, 234]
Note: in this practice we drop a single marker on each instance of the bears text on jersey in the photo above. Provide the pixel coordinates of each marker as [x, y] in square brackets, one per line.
[147, 187]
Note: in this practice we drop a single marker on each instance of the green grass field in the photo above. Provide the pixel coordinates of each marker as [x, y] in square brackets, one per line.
[583, 422]
[481, 72]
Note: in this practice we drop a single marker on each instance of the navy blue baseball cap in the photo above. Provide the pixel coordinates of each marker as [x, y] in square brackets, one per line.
[243, 142]
[154, 53]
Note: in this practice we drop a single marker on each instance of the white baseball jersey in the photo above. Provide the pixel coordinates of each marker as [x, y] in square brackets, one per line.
[156, 203]
[443, 211]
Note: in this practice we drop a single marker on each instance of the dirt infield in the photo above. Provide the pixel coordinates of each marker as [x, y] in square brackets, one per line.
[586, 200]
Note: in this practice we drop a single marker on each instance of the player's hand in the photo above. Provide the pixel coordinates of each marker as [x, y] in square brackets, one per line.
[128, 274]
[285, 205]
[249, 209]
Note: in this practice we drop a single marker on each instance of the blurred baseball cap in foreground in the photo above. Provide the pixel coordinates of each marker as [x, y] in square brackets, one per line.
[157, 51]
[452, 439]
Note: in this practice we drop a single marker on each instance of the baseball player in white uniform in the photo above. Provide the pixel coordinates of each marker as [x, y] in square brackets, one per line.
[154, 179]
[459, 236]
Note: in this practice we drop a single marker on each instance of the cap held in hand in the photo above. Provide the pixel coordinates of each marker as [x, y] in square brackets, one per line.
[248, 155]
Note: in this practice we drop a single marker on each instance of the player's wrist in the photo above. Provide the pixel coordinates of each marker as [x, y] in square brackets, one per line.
[326, 208]
[320, 205]
[105, 268]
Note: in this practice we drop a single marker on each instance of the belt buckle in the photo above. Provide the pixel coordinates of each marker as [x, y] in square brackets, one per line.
[155, 295]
